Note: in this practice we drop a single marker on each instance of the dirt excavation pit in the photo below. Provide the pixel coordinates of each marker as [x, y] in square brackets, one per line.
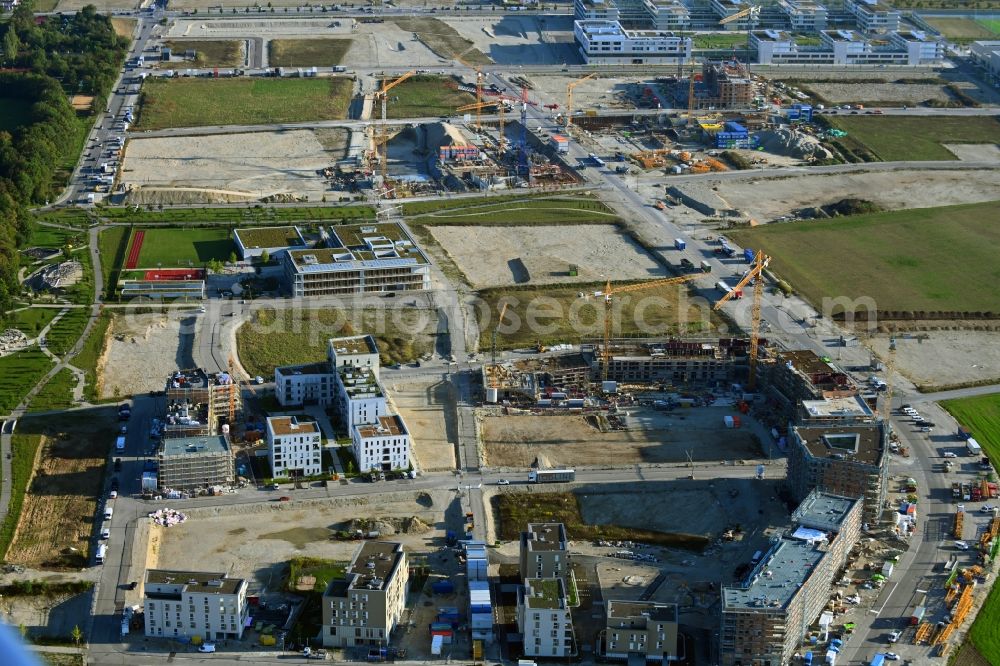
[231, 167]
[652, 437]
[503, 256]
[766, 199]
[414, 148]
[944, 358]
[164, 343]
[249, 539]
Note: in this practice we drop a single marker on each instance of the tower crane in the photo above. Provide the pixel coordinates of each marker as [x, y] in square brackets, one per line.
[501, 109]
[752, 14]
[890, 369]
[493, 336]
[383, 135]
[760, 262]
[610, 291]
[569, 97]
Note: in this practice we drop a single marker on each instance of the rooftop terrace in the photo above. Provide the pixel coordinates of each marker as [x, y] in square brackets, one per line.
[546, 536]
[544, 593]
[290, 425]
[354, 344]
[359, 382]
[200, 582]
[386, 426]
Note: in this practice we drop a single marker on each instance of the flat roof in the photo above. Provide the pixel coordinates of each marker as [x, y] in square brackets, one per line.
[842, 35]
[194, 378]
[823, 511]
[806, 361]
[354, 344]
[856, 443]
[359, 381]
[780, 579]
[544, 593]
[387, 425]
[645, 609]
[321, 368]
[290, 425]
[844, 407]
[199, 582]
[270, 237]
[194, 446]
[373, 564]
[546, 536]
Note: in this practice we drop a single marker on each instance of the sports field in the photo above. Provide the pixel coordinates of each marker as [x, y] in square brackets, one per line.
[188, 102]
[963, 29]
[153, 248]
[924, 259]
[895, 138]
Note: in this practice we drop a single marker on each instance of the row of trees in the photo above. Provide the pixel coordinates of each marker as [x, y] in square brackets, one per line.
[45, 62]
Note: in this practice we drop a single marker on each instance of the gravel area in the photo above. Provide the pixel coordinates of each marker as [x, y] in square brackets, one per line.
[767, 199]
[907, 93]
[428, 407]
[501, 256]
[520, 40]
[975, 152]
[945, 357]
[163, 343]
[251, 165]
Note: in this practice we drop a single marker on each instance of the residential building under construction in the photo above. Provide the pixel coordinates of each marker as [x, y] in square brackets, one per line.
[195, 463]
[721, 85]
[199, 404]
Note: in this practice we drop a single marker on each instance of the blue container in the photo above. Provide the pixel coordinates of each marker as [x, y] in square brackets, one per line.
[748, 254]
[443, 587]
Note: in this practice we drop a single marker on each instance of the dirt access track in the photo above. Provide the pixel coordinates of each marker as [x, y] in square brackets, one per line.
[504, 256]
[652, 437]
[765, 198]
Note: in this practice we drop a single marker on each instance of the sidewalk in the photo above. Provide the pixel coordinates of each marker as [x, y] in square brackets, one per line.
[326, 427]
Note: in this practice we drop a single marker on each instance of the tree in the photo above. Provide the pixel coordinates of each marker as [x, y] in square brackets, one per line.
[76, 634]
[265, 257]
[11, 45]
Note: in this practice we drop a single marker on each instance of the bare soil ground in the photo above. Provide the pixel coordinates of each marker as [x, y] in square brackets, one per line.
[254, 164]
[503, 256]
[945, 357]
[652, 437]
[255, 541]
[975, 152]
[57, 519]
[428, 407]
[905, 93]
[589, 94]
[767, 199]
[162, 342]
[517, 40]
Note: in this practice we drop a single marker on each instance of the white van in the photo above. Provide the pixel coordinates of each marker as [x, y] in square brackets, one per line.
[102, 551]
[108, 512]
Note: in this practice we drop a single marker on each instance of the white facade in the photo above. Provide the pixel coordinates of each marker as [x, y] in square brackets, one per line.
[543, 618]
[873, 16]
[804, 15]
[360, 397]
[356, 351]
[726, 8]
[381, 446]
[188, 604]
[668, 14]
[607, 43]
[772, 45]
[919, 47]
[294, 448]
[314, 383]
[987, 55]
[595, 10]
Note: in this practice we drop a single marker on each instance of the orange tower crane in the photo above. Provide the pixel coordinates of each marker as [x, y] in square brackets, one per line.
[501, 109]
[569, 97]
[610, 291]
[760, 262]
[383, 134]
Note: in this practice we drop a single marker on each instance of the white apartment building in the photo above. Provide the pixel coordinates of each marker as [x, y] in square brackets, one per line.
[294, 447]
[987, 55]
[804, 15]
[364, 606]
[919, 46]
[360, 397]
[668, 14]
[381, 446]
[873, 15]
[608, 43]
[194, 603]
[772, 45]
[308, 384]
[595, 10]
[543, 618]
[355, 351]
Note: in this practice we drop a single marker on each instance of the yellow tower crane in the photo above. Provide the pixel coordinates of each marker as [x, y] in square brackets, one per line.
[382, 134]
[760, 262]
[493, 336]
[501, 108]
[751, 14]
[890, 370]
[569, 97]
[610, 291]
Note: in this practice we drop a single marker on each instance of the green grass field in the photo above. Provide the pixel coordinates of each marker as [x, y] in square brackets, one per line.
[993, 25]
[287, 338]
[188, 102]
[511, 211]
[247, 217]
[112, 244]
[960, 29]
[726, 40]
[184, 247]
[13, 113]
[65, 332]
[307, 52]
[24, 447]
[31, 321]
[21, 371]
[57, 238]
[89, 354]
[208, 53]
[56, 394]
[915, 137]
[425, 96]
[904, 260]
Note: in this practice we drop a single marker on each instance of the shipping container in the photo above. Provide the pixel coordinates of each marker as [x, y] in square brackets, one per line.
[973, 447]
[679, 244]
[748, 255]
[706, 267]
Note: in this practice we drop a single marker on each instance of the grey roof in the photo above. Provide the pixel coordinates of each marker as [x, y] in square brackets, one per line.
[791, 565]
[823, 511]
[189, 446]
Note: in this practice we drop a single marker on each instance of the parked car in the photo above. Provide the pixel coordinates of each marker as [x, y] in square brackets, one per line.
[894, 636]
[113, 494]
[950, 454]
[892, 656]
[284, 498]
[503, 482]
[961, 545]
[986, 508]
[206, 647]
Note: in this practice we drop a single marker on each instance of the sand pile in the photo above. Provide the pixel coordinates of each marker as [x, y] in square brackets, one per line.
[795, 144]
[387, 526]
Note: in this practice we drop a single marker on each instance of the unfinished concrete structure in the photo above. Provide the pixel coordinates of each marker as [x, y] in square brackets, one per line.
[195, 463]
[765, 616]
[674, 361]
[643, 629]
[802, 375]
[364, 606]
[529, 379]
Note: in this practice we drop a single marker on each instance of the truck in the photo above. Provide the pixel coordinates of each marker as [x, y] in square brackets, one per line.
[724, 287]
[687, 264]
[551, 475]
[679, 244]
[748, 255]
[706, 267]
[956, 490]
[120, 443]
[339, 68]
[878, 660]
[973, 447]
[967, 492]
[919, 609]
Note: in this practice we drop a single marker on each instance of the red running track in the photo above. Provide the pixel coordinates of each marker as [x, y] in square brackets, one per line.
[133, 255]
